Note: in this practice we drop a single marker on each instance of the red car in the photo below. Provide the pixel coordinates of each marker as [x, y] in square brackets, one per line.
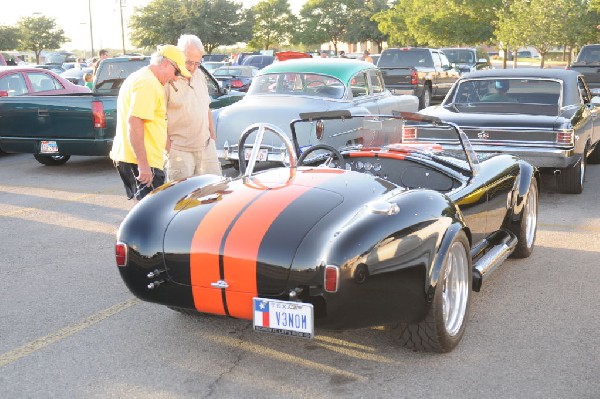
[18, 81]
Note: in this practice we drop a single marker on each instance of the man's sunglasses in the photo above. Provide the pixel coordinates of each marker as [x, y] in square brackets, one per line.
[177, 70]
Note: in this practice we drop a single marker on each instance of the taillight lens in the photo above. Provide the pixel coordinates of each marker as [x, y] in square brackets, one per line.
[98, 116]
[566, 136]
[414, 77]
[237, 83]
[121, 254]
[332, 278]
[409, 133]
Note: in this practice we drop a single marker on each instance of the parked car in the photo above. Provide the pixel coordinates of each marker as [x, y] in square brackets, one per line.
[588, 64]
[291, 55]
[210, 66]
[75, 75]
[423, 72]
[57, 69]
[342, 238]
[236, 77]
[19, 81]
[239, 59]
[258, 61]
[545, 116]
[215, 58]
[468, 59]
[284, 89]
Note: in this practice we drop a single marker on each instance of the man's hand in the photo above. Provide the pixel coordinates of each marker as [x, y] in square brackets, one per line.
[145, 175]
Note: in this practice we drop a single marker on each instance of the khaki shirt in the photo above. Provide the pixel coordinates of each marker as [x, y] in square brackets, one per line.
[187, 113]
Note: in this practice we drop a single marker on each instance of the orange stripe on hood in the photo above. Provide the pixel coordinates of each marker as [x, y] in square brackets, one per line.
[242, 243]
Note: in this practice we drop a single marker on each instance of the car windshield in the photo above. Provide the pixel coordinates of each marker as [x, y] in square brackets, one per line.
[589, 55]
[407, 133]
[460, 56]
[510, 95]
[405, 58]
[294, 83]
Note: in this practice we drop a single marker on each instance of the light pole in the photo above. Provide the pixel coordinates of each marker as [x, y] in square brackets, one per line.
[91, 30]
[121, 5]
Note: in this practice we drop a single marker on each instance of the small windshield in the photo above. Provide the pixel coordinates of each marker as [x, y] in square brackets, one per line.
[407, 134]
[298, 84]
[111, 74]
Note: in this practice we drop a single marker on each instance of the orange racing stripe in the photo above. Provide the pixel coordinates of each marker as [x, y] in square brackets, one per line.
[244, 240]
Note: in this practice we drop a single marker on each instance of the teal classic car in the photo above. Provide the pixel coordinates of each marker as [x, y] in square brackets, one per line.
[285, 89]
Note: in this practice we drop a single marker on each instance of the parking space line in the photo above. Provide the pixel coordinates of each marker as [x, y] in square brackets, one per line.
[41, 343]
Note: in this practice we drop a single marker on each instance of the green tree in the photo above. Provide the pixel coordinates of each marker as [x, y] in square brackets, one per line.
[364, 27]
[274, 23]
[325, 21]
[39, 33]
[9, 37]
[581, 24]
[439, 22]
[215, 22]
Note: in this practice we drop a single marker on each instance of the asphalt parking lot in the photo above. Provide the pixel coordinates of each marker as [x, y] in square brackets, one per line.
[71, 329]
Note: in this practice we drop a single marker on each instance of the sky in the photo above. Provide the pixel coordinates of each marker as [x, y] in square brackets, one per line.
[73, 16]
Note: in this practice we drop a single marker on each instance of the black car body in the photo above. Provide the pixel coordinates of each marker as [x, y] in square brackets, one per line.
[549, 118]
[237, 77]
[382, 231]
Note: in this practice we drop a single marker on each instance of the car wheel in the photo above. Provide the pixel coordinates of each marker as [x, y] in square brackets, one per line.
[51, 160]
[425, 98]
[528, 224]
[570, 180]
[594, 157]
[445, 322]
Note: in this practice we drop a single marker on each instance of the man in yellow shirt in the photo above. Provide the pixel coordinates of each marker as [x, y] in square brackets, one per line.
[191, 137]
[141, 135]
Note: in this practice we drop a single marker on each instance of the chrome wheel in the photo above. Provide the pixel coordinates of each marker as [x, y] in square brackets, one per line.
[531, 216]
[455, 291]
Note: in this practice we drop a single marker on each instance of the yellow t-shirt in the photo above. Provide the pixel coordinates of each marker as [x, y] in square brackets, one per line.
[143, 96]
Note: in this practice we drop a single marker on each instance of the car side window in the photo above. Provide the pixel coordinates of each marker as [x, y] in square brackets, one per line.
[376, 81]
[444, 60]
[358, 85]
[437, 62]
[43, 82]
[583, 91]
[14, 84]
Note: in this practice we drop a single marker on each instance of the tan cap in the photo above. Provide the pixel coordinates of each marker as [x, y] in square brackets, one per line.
[176, 55]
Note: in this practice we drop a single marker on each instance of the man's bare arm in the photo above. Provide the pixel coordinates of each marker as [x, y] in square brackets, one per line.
[136, 139]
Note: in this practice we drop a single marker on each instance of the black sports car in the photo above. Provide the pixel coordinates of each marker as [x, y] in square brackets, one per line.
[380, 231]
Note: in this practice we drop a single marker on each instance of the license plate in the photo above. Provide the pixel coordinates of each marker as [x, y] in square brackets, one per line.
[49, 147]
[283, 317]
[262, 154]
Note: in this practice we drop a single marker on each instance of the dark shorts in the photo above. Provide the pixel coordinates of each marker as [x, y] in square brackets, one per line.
[133, 188]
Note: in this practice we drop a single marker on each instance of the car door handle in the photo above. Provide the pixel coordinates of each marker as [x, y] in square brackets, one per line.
[43, 112]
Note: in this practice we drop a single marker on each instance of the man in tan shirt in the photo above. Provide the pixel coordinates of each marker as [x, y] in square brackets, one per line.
[191, 148]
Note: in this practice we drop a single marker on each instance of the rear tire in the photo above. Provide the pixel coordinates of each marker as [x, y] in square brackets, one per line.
[594, 157]
[528, 227]
[425, 98]
[570, 180]
[51, 160]
[446, 320]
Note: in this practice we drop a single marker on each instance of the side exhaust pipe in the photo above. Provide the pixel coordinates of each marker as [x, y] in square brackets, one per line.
[556, 172]
[501, 245]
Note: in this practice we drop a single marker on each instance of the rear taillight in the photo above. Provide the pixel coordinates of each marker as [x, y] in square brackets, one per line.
[414, 77]
[332, 278]
[236, 83]
[566, 136]
[121, 254]
[409, 133]
[98, 117]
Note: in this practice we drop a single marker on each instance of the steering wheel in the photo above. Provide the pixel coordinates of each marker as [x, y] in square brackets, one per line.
[333, 154]
[261, 127]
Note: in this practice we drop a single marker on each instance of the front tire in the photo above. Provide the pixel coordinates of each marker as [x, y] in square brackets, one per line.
[570, 180]
[446, 320]
[51, 160]
[527, 228]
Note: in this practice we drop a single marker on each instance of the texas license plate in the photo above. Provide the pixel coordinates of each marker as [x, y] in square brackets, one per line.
[49, 147]
[262, 154]
[283, 317]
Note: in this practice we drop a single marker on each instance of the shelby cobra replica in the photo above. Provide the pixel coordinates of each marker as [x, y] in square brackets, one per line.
[381, 232]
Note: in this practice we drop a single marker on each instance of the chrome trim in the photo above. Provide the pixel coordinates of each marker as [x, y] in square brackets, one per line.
[222, 284]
